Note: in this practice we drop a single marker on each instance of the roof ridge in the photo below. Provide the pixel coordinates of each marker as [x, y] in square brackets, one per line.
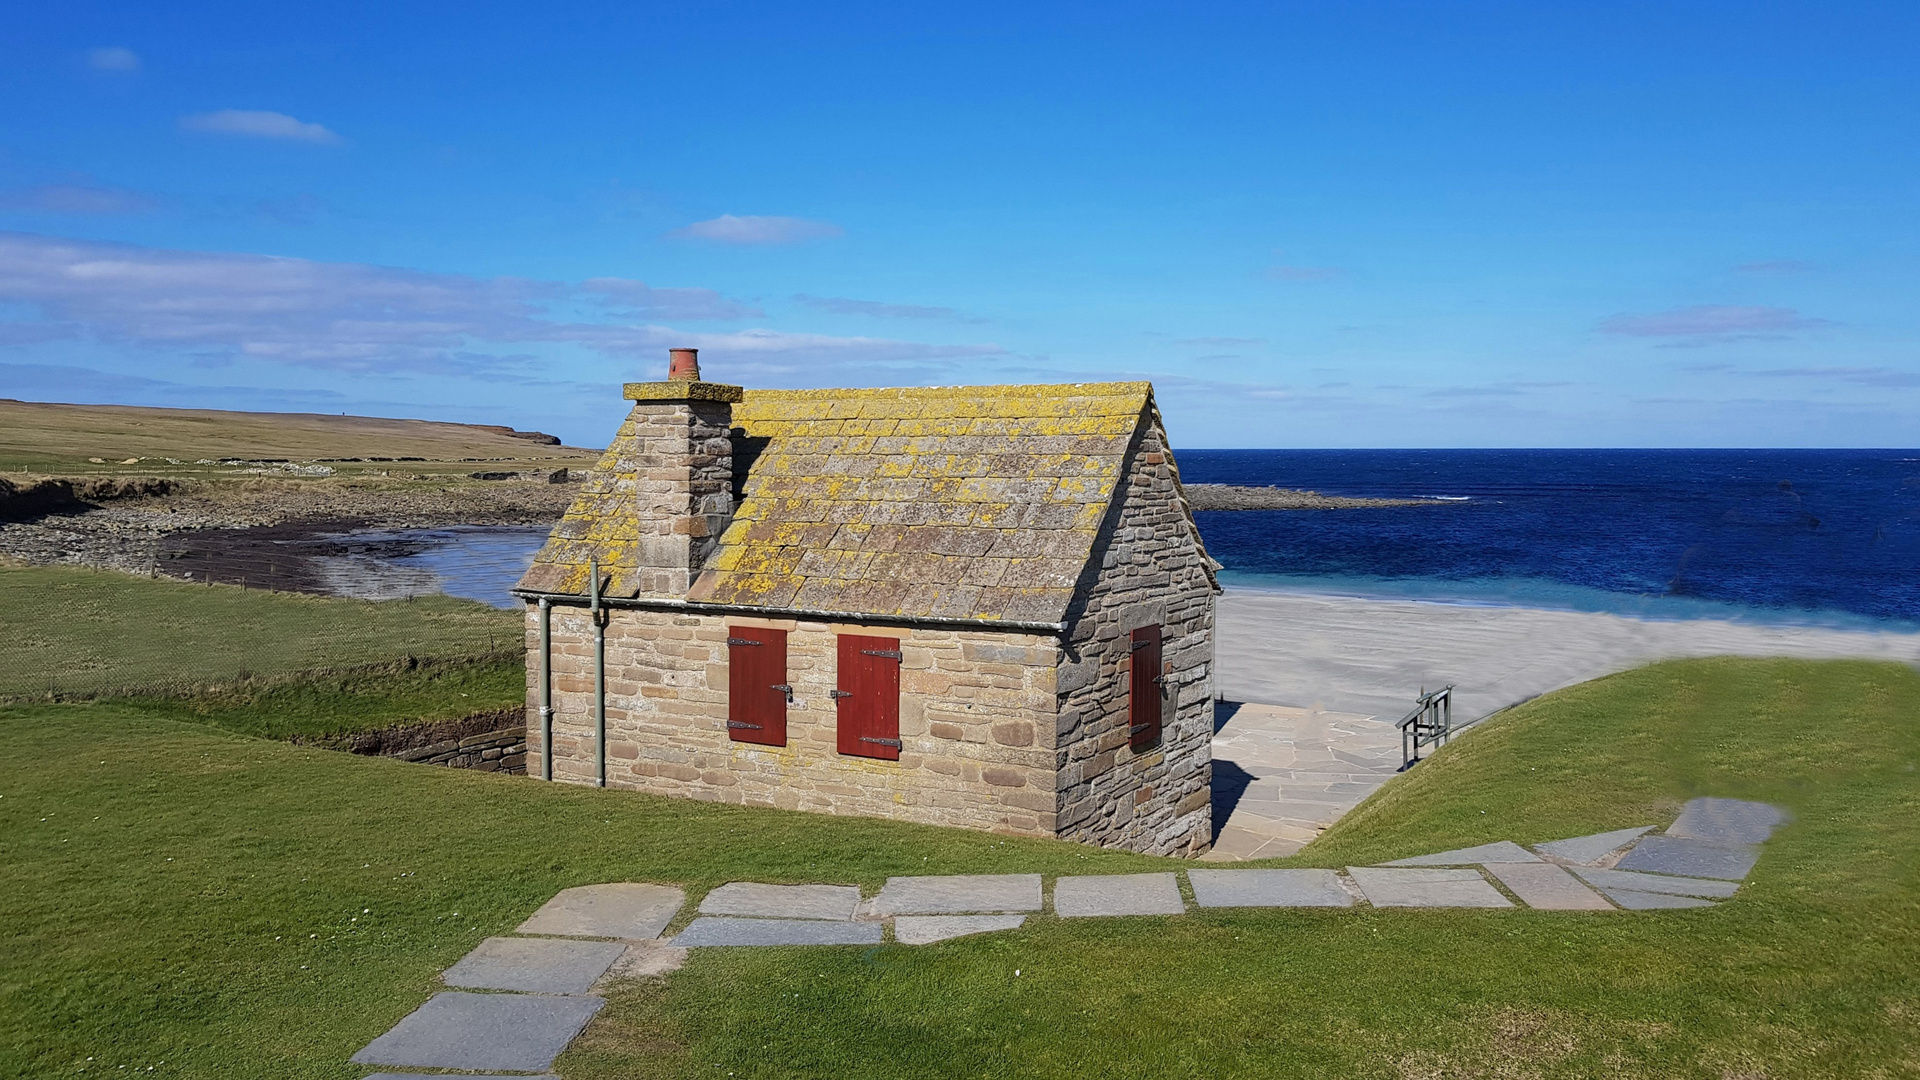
[998, 389]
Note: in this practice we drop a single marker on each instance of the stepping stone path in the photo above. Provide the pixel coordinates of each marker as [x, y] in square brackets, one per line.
[1588, 850]
[1125, 894]
[1268, 888]
[538, 990]
[1420, 886]
[1505, 851]
[955, 895]
[534, 965]
[927, 929]
[515, 1032]
[1547, 887]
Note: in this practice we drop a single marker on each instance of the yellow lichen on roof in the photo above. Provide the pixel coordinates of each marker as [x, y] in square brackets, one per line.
[976, 502]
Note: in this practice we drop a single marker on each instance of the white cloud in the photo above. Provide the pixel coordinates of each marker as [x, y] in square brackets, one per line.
[756, 230]
[353, 317]
[258, 124]
[82, 197]
[116, 58]
[639, 298]
[1712, 323]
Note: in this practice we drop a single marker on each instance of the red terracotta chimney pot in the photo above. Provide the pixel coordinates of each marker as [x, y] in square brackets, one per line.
[683, 365]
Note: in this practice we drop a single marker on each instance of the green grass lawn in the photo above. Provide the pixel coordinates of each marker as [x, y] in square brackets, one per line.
[354, 700]
[238, 907]
[85, 633]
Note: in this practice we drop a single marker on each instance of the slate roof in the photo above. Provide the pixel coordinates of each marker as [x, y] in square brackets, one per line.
[952, 502]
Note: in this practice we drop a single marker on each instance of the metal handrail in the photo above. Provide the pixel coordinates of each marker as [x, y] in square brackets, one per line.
[1429, 724]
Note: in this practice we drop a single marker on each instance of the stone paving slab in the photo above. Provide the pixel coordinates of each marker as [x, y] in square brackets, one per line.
[1500, 851]
[1547, 887]
[511, 1032]
[629, 910]
[1727, 821]
[534, 965]
[1678, 886]
[958, 895]
[1425, 888]
[711, 930]
[1266, 888]
[1309, 767]
[1690, 858]
[927, 929]
[1588, 850]
[782, 901]
[1648, 901]
[1117, 894]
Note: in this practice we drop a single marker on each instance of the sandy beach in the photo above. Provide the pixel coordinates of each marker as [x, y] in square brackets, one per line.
[1315, 683]
[1358, 655]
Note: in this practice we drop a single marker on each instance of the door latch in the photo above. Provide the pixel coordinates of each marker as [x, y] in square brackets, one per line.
[785, 689]
[839, 693]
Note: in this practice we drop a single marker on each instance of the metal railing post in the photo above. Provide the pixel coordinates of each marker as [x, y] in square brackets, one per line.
[546, 689]
[599, 676]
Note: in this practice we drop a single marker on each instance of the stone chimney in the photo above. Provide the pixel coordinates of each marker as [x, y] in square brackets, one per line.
[682, 469]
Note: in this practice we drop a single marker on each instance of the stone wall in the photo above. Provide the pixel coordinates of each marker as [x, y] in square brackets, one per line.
[493, 741]
[1151, 569]
[493, 751]
[976, 720]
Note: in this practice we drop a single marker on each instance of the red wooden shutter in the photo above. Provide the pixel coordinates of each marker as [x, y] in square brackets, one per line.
[1144, 700]
[868, 699]
[756, 685]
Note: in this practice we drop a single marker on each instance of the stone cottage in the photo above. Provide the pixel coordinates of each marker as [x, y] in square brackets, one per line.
[977, 606]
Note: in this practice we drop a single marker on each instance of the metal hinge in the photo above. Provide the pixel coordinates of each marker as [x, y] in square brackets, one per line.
[891, 654]
[1138, 728]
[895, 743]
[839, 693]
[743, 641]
[738, 724]
[1140, 645]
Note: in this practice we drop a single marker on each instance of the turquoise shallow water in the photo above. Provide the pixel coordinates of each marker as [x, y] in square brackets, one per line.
[1556, 595]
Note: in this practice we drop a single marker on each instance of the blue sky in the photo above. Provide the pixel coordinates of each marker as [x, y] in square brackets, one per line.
[1310, 225]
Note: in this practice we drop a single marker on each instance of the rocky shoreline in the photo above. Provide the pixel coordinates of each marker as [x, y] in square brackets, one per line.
[1236, 497]
[261, 533]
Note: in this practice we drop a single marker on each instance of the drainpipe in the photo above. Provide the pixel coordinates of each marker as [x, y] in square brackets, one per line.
[599, 675]
[546, 689]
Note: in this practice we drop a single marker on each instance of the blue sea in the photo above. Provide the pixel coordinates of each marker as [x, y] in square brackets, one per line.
[1828, 537]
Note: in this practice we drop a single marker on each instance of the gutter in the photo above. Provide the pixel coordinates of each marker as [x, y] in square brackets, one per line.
[691, 608]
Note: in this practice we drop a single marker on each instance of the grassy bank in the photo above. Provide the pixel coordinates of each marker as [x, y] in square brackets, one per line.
[354, 700]
[240, 907]
[87, 633]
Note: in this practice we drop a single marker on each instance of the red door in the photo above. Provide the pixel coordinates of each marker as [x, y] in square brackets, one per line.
[757, 690]
[868, 698]
[1145, 696]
